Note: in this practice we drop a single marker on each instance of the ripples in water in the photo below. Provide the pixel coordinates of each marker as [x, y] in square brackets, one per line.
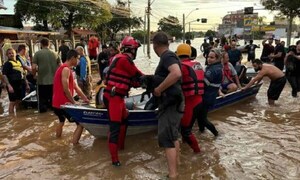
[256, 142]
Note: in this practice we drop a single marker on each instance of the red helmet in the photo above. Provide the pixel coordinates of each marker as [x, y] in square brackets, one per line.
[130, 42]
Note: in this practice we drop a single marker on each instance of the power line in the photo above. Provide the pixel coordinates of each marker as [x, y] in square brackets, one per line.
[152, 2]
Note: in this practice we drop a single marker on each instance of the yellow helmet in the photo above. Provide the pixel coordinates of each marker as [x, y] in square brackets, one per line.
[184, 50]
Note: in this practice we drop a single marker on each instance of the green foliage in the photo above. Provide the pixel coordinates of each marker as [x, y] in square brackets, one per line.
[210, 33]
[120, 21]
[34, 10]
[289, 8]
[258, 34]
[201, 34]
[171, 26]
[189, 35]
[67, 14]
[139, 35]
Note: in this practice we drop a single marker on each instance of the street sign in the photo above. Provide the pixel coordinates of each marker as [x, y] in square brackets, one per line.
[248, 10]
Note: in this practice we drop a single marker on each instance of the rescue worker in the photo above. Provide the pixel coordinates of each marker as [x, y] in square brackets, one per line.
[121, 76]
[213, 80]
[193, 89]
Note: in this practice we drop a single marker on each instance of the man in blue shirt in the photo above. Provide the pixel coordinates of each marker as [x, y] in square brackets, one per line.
[83, 73]
[235, 55]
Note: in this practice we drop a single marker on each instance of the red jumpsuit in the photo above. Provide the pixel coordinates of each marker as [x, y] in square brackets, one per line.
[193, 89]
[120, 78]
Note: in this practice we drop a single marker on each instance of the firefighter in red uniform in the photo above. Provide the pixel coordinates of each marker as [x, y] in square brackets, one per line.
[121, 76]
[193, 89]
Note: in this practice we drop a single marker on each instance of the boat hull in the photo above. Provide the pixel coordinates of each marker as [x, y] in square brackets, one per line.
[140, 121]
[96, 120]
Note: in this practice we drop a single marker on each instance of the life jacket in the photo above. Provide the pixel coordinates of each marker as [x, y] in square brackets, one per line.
[117, 77]
[23, 62]
[214, 68]
[17, 71]
[193, 84]
[22, 59]
[227, 72]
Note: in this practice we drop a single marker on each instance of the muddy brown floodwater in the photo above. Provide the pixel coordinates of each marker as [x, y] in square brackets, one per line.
[256, 142]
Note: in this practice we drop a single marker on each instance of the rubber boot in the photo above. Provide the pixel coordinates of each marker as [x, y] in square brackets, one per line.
[194, 143]
[122, 135]
[113, 149]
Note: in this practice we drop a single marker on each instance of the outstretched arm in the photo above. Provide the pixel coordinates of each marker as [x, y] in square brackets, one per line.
[80, 93]
[257, 78]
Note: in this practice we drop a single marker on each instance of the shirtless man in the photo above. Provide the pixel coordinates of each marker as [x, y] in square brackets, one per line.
[277, 77]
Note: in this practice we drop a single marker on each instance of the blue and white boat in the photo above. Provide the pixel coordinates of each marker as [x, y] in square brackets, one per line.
[139, 120]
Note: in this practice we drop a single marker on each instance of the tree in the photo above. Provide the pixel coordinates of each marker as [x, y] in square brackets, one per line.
[139, 35]
[171, 26]
[288, 8]
[35, 10]
[189, 35]
[67, 14]
[121, 20]
[210, 33]
[201, 34]
[119, 23]
[80, 14]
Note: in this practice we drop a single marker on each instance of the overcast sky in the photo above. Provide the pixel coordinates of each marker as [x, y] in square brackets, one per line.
[213, 10]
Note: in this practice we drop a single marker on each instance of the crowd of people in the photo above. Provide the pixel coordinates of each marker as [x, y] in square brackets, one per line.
[184, 95]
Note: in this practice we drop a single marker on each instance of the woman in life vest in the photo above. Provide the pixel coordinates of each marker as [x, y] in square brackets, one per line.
[212, 84]
[193, 89]
[121, 76]
[13, 77]
[230, 81]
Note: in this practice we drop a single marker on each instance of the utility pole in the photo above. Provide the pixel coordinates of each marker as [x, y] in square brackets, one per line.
[183, 27]
[148, 28]
[189, 30]
[145, 31]
[129, 2]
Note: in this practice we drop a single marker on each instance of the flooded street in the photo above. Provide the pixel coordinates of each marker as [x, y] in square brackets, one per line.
[256, 141]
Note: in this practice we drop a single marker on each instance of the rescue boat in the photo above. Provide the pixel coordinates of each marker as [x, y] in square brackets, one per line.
[139, 120]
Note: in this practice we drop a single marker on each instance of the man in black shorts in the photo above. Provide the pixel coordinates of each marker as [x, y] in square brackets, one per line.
[170, 109]
[14, 79]
[276, 76]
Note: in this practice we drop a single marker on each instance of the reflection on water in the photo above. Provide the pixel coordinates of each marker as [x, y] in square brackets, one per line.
[256, 142]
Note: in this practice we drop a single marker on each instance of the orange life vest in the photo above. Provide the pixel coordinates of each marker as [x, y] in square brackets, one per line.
[194, 83]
